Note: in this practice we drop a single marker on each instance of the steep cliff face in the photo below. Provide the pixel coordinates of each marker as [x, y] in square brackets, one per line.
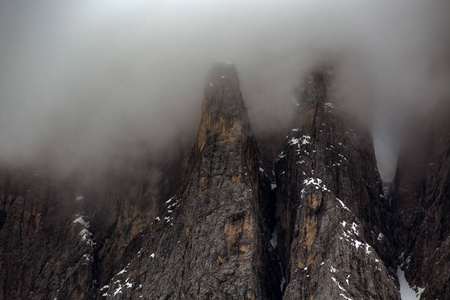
[45, 248]
[212, 242]
[422, 206]
[330, 207]
[62, 239]
[210, 222]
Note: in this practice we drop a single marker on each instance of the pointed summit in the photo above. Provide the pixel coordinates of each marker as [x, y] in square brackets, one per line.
[329, 204]
[224, 116]
[213, 242]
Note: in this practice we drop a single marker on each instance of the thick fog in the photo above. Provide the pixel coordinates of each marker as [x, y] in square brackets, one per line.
[83, 82]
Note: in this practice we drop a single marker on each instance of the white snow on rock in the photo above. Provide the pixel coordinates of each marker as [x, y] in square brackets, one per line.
[328, 105]
[342, 204]
[338, 284]
[118, 289]
[273, 240]
[106, 287]
[128, 284]
[355, 228]
[87, 257]
[80, 220]
[317, 182]
[281, 156]
[304, 140]
[407, 292]
[351, 236]
[122, 271]
[85, 234]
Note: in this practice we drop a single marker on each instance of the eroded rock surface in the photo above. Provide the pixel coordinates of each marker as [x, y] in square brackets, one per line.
[330, 209]
[422, 205]
[212, 242]
[200, 223]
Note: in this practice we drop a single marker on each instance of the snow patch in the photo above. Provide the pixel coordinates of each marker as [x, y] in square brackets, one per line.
[407, 292]
[317, 182]
[345, 297]
[121, 272]
[338, 284]
[81, 221]
[342, 204]
[328, 104]
[85, 234]
[87, 257]
[273, 240]
[281, 156]
[355, 228]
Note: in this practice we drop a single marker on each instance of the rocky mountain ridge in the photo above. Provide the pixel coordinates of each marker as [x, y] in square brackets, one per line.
[214, 222]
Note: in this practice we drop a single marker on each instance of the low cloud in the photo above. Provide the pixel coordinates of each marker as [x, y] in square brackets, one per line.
[83, 82]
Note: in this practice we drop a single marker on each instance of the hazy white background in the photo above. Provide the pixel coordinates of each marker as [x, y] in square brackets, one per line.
[87, 81]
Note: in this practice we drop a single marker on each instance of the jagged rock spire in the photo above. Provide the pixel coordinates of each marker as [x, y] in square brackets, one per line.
[330, 204]
[224, 116]
[213, 242]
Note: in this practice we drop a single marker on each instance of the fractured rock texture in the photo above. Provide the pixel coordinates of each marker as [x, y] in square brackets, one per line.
[330, 206]
[209, 221]
[212, 243]
[422, 205]
[43, 252]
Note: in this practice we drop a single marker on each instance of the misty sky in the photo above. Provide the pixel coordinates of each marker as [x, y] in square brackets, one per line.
[84, 81]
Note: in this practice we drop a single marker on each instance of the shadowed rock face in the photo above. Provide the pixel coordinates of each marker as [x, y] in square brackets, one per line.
[330, 206]
[41, 248]
[422, 207]
[64, 239]
[197, 224]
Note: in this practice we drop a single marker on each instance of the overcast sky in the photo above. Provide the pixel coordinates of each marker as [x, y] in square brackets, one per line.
[87, 80]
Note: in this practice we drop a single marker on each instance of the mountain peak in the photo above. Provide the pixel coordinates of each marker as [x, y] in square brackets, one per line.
[223, 72]
[224, 116]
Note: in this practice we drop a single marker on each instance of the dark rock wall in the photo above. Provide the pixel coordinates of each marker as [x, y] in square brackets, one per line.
[218, 220]
[422, 205]
[62, 239]
[43, 251]
[212, 242]
[331, 211]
